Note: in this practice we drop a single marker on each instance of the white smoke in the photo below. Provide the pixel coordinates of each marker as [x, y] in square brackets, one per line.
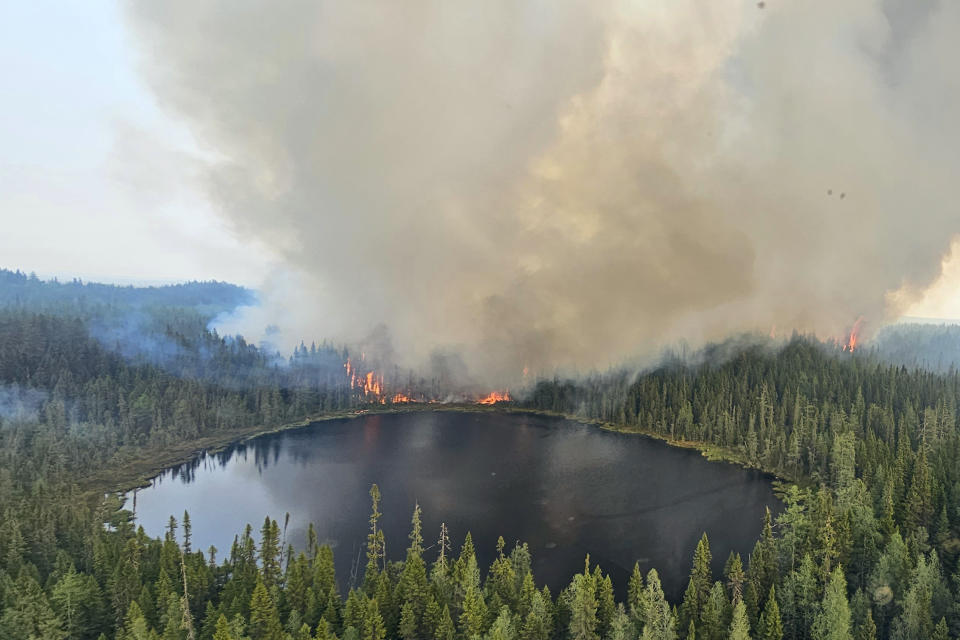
[548, 183]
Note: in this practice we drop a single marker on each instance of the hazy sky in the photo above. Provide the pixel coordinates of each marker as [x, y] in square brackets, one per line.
[102, 182]
[96, 180]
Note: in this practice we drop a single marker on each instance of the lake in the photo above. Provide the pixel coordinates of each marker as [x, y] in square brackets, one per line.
[565, 488]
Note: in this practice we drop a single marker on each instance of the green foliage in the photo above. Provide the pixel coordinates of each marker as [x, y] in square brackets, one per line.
[698, 589]
[874, 448]
[659, 623]
[833, 620]
[739, 625]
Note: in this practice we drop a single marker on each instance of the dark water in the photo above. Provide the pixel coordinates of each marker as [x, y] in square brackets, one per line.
[565, 488]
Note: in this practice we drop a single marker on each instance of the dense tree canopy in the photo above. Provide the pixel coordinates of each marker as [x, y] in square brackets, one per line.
[866, 546]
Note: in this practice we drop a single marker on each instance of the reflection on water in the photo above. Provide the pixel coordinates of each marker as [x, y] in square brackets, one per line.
[565, 488]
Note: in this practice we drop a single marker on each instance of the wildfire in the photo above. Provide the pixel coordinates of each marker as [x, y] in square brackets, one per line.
[854, 335]
[494, 397]
[369, 383]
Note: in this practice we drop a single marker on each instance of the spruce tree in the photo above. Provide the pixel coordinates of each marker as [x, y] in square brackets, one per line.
[636, 597]
[222, 630]
[502, 628]
[715, 618]
[270, 553]
[833, 621]
[264, 619]
[658, 618]
[445, 629]
[771, 627]
[919, 506]
[740, 625]
[538, 624]
[412, 591]
[698, 588]
[473, 619]
[583, 607]
[868, 629]
[373, 628]
[376, 546]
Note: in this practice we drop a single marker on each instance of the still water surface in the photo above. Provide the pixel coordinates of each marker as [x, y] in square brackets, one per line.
[565, 488]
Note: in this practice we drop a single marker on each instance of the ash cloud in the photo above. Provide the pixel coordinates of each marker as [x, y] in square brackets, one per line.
[563, 184]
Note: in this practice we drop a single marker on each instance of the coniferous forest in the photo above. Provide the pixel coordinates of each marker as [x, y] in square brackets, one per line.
[94, 378]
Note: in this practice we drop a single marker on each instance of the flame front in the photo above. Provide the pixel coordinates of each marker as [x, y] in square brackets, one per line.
[494, 397]
[371, 387]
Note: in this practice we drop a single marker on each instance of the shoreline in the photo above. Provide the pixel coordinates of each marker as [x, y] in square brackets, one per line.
[140, 470]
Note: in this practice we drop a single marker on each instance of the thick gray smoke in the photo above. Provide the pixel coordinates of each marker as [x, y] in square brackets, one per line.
[554, 183]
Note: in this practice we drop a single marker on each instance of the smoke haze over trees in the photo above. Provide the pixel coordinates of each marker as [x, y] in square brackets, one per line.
[567, 184]
[868, 543]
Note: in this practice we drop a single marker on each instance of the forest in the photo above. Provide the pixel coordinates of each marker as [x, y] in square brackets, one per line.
[93, 376]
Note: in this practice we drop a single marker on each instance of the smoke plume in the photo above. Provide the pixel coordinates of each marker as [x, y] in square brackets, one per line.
[565, 184]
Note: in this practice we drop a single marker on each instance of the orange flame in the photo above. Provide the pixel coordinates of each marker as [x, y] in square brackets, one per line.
[854, 335]
[495, 397]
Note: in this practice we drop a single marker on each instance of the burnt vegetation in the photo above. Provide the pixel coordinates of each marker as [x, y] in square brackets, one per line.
[867, 546]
